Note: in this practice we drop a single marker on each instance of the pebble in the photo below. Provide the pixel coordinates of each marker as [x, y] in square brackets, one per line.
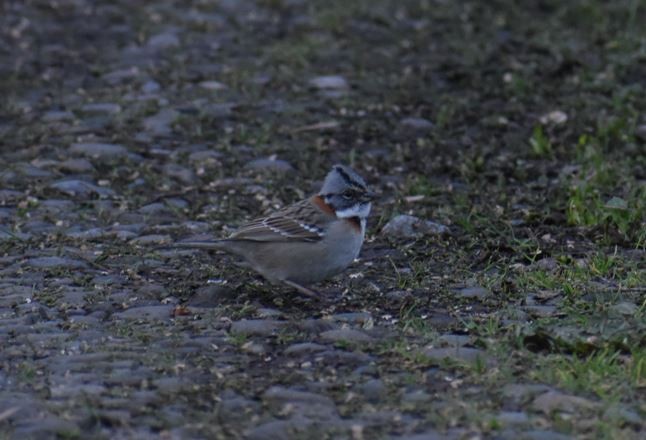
[258, 327]
[183, 174]
[212, 85]
[416, 125]
[373, 390]
[76, 166]
[460, 354]
[161, 312]
[282, 394]
[99, 150]
[453, 340]
[58, 116]
[539, 434]
[304, 348]
[280, 430]
[329, 82]
[55, 262]
[408, 226]
[553, 400]
[101, 108]
[271, 165]
[121, 76]
[507, 418]
[475, 292]
[150, 87]
[163, 41]
[640, 132]
[80, 188]
[520, 393]
[346, 335]
[160, 124]
[8, 196]
[210, 296]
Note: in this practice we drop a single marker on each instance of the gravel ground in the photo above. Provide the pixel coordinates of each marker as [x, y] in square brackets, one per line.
[481, 305]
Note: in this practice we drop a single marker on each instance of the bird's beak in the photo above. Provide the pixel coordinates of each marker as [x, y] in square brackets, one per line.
[368, 196]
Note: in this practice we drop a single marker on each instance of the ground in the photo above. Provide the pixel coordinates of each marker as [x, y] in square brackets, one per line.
[518, 128]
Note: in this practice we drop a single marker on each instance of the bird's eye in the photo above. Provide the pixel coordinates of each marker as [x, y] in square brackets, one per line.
[347, 195]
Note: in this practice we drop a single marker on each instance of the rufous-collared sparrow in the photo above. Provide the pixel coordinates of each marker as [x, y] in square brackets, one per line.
[308, 241]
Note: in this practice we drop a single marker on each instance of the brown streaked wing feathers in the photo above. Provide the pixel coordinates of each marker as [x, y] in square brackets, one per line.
[286, 225]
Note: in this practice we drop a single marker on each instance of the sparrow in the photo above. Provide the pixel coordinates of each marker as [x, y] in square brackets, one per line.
[308, 241]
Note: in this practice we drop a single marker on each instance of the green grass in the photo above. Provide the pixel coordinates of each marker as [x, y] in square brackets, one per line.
[606, 194]
[606, 374]
[540, 143]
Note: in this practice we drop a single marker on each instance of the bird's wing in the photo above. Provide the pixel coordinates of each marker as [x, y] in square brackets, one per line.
[302, 221]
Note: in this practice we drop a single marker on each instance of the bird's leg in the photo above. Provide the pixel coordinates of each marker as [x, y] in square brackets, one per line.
[302, 289]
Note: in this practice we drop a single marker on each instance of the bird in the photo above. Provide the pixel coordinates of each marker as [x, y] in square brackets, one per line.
[308, 241]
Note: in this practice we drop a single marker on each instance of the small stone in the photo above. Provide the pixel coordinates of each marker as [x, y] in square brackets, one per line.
[640, 132]
[512, 418]
[85, 234]
[183, 174]
[520, 393]
[453, 340]
[618, 412]
[74, 187]
[57, 205]
[9, 196]
[542, 311]
[65, 390]
[254, 348]
[161, 123]
[373, 390]
[270, 164]
[416, 397]
[55, 262]
[76, 166]
[99, 150]
[205, 157]
[161, 312]
[210, 296]
[58, 116]
[416, 125]
[346, 335]
[304, 348]
[44, 428]
[408, 226]
[281, 394]
[150, 87]
[212, 85]
[163, 41]
[121, 76]
[626, 308]
[101, 108]
[460, 354]
[259, 327]
[539, 434]
[152, 239]
[473, 292]
[280, 430]
[233, 406]
[548, 264]
[335, 82]
[153, 208]
[552, 401]
[32, 172]
[360, 318]
[556, 117]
